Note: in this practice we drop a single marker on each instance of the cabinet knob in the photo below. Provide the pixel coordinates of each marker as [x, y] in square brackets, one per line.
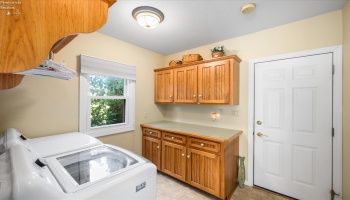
[171, 96]
[183, 154]
[158, 147]
[194, 96]
[200, 96]
[172, 138]
[202, 145]
[188, 156]
[150, 133]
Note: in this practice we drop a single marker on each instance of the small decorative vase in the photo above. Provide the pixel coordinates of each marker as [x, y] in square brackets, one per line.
[241, 172]
[217, 54]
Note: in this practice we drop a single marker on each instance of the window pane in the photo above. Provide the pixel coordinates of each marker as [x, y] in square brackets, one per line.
[106, 86]
[107, 111]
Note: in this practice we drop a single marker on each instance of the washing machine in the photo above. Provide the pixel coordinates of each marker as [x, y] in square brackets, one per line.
[92, 171]
[49, 145]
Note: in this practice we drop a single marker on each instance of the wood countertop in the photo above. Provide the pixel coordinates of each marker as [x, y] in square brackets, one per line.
[219, 134]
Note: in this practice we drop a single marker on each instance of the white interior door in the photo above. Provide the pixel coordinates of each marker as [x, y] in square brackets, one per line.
[293, 102]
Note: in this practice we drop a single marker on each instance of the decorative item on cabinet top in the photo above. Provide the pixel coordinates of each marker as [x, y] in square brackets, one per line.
[175, 63]
[217, 51]
[190, 58]
[33, 27]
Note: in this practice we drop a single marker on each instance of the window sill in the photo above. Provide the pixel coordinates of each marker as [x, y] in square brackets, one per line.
[99, 132]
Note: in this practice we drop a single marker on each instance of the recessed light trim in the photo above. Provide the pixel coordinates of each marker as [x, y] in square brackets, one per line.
[148, 17]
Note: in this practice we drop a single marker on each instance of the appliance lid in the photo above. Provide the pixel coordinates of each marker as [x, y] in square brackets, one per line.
[80, 169]
[62, 143]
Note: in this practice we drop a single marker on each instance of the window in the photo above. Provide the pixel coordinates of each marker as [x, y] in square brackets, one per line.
[107, 93]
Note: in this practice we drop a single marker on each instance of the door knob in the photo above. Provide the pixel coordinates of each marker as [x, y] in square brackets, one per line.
[258, 122]
[260, 134]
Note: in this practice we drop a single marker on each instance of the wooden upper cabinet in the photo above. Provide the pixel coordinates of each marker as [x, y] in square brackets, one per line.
[163, 87]
[30, 28]
[214, 81]
[185, 84]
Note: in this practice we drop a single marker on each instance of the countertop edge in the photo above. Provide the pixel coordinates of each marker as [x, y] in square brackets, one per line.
[194, 134]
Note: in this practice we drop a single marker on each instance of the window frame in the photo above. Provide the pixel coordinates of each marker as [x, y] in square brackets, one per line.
[85, 107]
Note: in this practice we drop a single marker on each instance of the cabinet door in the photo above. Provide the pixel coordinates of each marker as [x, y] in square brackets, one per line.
[214, 82]
[163, 86]
[204, 171]
[174, 160]
[151, 150]
[185, 84]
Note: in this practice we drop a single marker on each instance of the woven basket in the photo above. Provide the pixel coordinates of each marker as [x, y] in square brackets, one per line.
[175, 62]
[191, 58]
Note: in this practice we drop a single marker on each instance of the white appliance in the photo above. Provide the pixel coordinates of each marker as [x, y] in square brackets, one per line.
[56, 167]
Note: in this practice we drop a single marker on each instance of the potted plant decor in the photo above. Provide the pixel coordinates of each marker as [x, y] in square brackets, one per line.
[217, 51]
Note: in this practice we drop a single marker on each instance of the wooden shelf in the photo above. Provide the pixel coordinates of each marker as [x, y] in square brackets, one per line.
[31, 30]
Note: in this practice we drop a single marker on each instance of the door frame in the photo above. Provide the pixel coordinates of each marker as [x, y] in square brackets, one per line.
[337, 110]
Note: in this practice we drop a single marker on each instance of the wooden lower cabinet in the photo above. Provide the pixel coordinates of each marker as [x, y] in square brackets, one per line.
[174, 160]
[209, 165]
[204, 171]
[151, 146]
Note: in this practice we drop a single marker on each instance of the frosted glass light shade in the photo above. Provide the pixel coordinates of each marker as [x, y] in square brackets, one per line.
[148, 17]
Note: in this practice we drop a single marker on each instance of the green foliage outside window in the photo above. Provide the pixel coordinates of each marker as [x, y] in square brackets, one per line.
[106, 111]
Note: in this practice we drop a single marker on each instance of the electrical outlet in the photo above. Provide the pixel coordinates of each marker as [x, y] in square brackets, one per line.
[234, 113]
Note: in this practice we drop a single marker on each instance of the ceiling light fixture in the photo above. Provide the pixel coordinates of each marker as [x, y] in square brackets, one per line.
[248, 8]
[148, 17]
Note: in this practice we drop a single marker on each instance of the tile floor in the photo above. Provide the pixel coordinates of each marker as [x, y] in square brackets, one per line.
[169, 188]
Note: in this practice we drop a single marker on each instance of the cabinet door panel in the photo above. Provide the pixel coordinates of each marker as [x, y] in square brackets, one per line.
[185, 84]
[214, 82]
[174, 160]
[163, 85]
[204, 171]
[151, 150]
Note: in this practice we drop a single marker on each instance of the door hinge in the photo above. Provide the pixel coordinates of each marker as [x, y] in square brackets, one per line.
[333, 69]
[332, 132]
[333, 194]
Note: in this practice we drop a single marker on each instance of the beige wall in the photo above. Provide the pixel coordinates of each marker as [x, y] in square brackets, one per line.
[346, 101]
[43, 106]
[317, 32]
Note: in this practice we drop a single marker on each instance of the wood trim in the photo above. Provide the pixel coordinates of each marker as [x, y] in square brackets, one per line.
[60, 44]
[235, 57]
[8, 81]
[193, 134]
[110, 2]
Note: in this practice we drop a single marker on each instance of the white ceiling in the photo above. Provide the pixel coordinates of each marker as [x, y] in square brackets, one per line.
[193, 23]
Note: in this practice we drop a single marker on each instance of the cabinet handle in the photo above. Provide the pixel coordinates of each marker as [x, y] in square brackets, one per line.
[158, 147]
[202, 145]
[183, 154]
[188, 156]
[172, 138]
